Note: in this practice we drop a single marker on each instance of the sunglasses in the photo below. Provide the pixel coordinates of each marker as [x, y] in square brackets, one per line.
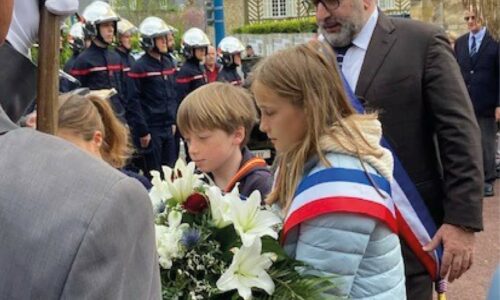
[471, 17]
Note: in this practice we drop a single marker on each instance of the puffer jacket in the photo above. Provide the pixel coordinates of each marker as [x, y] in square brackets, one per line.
[361, 253]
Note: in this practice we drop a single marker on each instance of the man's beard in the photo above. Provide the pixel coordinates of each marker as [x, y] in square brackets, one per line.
[350, 27]
[343, 38]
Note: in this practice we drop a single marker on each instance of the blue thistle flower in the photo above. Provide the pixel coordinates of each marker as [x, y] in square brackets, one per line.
[159, 208]
[190, 238]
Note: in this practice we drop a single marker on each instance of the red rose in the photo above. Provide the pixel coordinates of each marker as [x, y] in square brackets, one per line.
[195, 203]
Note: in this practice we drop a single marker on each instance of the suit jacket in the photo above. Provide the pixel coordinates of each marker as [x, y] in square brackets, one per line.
[410, 76]
[71, 227]
[481, 73]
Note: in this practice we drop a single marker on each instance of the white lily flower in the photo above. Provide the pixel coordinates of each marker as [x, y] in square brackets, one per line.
[250, 221]
[168, 239]
[219, 206]
[248, 270]
[159, 193]
[181, 180]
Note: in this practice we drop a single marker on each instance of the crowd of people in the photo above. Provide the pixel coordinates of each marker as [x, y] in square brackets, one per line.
[381, 169]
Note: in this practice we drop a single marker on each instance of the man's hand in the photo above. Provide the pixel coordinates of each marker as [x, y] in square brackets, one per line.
[174, 128]
[497, 114]
[145, 140]
[458, 247]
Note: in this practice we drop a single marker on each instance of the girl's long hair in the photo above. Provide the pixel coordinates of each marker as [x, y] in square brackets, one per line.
[308, 77]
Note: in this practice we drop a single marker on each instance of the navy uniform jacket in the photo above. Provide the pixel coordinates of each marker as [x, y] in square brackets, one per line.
[229, 75]
[127, 61]
[99, 68]
[64, 84]
[481, 73]
[68, 66]
[152, 97]
[190, 77]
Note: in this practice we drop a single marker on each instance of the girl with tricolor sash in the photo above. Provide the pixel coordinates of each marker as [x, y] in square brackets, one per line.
[333, 180]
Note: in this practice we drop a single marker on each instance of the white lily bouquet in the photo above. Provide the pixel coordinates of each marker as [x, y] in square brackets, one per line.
[217, 246]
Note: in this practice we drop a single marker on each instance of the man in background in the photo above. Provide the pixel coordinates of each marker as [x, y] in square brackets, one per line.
[477, 55]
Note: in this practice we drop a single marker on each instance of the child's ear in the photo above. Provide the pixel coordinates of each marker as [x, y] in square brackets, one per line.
[239, 135]
[97, 139]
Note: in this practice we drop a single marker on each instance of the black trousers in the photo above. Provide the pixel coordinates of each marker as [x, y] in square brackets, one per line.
[488, 128]
[418, 281]
[161, 151]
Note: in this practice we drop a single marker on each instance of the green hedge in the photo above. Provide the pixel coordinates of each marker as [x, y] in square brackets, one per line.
[279, 26]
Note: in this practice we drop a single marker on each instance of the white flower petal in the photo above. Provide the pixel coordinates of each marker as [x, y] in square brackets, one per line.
[245, 292]
[263, 281]
[247, 270]
[174, 218]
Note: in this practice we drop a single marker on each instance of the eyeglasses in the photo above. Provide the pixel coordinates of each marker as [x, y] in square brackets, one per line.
[469, 17]
[328, 4]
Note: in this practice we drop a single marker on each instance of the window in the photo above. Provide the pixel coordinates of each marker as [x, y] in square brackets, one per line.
[278, 8]
[386, 4]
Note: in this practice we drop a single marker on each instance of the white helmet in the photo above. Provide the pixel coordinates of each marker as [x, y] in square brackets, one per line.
[96, 13]
[77, 37]
[192, 39]
[125, 26]
[230, 46]
[151, 28]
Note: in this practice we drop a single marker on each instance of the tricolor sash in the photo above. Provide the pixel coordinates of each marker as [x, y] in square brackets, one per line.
[341, 190]
[415, 224]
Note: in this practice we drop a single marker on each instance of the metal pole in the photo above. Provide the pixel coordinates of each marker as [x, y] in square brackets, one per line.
[48, 70]
[219, 20]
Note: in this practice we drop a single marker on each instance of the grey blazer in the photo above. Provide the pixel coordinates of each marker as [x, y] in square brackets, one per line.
[71, 227]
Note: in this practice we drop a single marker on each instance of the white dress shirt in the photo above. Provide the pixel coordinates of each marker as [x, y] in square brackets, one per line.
[354, 57]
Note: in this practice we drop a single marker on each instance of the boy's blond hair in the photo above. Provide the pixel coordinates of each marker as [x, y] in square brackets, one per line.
[217, 105]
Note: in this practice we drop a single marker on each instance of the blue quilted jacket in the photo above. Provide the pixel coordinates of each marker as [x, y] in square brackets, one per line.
[361, 253]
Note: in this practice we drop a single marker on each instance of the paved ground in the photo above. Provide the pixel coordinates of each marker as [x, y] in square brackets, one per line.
[474, 284]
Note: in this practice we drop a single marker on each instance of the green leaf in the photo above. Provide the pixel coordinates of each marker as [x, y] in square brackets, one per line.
[227, 238]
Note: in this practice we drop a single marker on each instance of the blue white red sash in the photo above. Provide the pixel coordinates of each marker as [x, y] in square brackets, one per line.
[415, 223]
[340, 190]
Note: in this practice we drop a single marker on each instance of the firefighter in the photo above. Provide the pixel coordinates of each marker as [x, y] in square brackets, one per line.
[124, 46]
[154, 98]
[231, 49]
[99, 67]
[192, 73]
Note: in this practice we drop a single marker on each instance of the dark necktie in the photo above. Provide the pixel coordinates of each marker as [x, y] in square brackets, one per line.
[473, 47]
[340, 52]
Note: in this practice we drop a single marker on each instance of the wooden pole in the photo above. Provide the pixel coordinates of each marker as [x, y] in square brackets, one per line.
[48, 72]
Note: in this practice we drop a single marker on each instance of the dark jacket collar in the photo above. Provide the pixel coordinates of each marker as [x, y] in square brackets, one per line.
[382, 40]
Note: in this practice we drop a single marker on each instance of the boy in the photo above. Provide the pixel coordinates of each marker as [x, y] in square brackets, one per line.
[215, 120]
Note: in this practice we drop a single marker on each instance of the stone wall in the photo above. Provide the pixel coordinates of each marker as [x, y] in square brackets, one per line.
[447, 14]
[234, 14]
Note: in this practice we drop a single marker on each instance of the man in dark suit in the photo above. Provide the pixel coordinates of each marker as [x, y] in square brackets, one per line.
[407, 72]
[477, 55]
